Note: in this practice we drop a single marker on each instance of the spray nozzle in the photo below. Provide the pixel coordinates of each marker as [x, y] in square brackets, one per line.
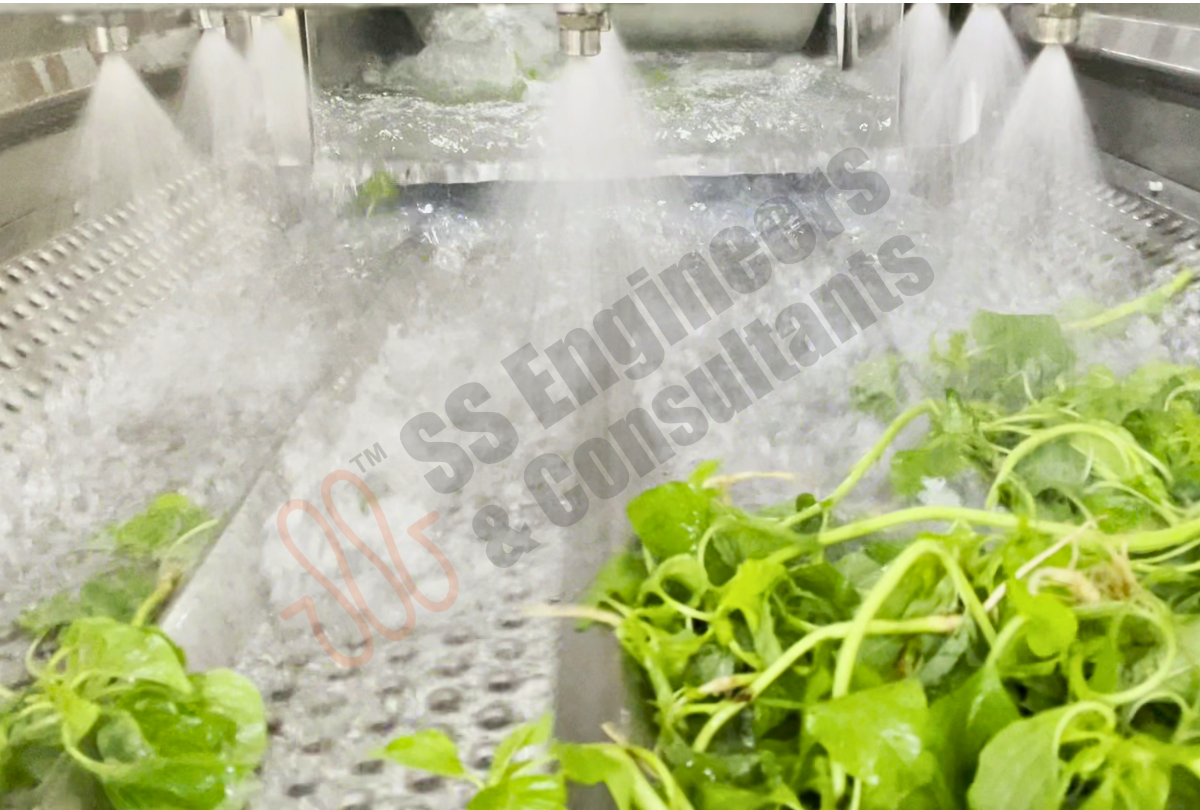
[1056, 23]
[579, 27]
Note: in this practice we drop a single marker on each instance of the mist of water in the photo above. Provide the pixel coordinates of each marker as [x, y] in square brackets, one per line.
[218, 114]
[128, 144]
[924, 45]
[1046, 145]
[593, 216]
[975, 86]
[279, 69]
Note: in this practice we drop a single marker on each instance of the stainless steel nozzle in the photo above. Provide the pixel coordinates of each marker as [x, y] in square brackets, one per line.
[107, 31]
[1056, 23]
[209, 19]
[104, 39]
[579, 27]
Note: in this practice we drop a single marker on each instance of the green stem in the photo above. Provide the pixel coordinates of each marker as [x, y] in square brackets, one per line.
[1143, 542]
[953, 514]
[1186, 388]
[891, 579]
[1025, 448]
[166, 586]
[1150, 300]
[865, 463]
[1079, 684]
[928, 624]
[179, 541]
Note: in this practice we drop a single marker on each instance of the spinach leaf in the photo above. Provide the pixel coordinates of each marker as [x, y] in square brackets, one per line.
[1017, 358]
[878, 736]
[670, 518]
[428, 750]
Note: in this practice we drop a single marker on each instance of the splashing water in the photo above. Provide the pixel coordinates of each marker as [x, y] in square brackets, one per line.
[218, 113]
[128, 145]
[279, 69]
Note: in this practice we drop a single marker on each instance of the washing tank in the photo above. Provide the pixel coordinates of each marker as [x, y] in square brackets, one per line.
[478, 219]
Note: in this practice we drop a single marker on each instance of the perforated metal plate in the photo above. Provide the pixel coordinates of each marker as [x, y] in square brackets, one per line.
[68, 298]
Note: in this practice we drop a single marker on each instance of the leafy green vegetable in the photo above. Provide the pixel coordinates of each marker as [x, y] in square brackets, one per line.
[429, 750]
[670, 519]
[169, 518]
[116, 594]
[379, 189]
[148, 549]
[115, 715]
[1036, 649]
[877, 388]
[877, 736]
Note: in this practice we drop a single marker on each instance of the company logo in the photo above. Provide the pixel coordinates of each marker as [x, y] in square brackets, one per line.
[400, 579]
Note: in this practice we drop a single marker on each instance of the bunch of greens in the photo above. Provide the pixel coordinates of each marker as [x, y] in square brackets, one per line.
[1036, 651]
[530, 772]
[113, 721]
[150, 550]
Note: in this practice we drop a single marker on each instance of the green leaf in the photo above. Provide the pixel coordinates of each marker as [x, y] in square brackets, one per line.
[112, 649]
[376, 190]
[1020, 768]
[78, 714]
[1016, 356]
[199, 784]
[877, 735]
[1136, 778]
[120, 740]
[681, 578]
[168, 517]
[428, 750]
[704, 471]
[671, 518]
[941, 458]
[1052, 626]
[522, 737]
[536, 792]
[964, 721]
[657, 649]
[750, 588]
[810, 525]
[600, 764]
[230, 695]
[876, 389]
[718, 795]
[116, 594]
[621, 578]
